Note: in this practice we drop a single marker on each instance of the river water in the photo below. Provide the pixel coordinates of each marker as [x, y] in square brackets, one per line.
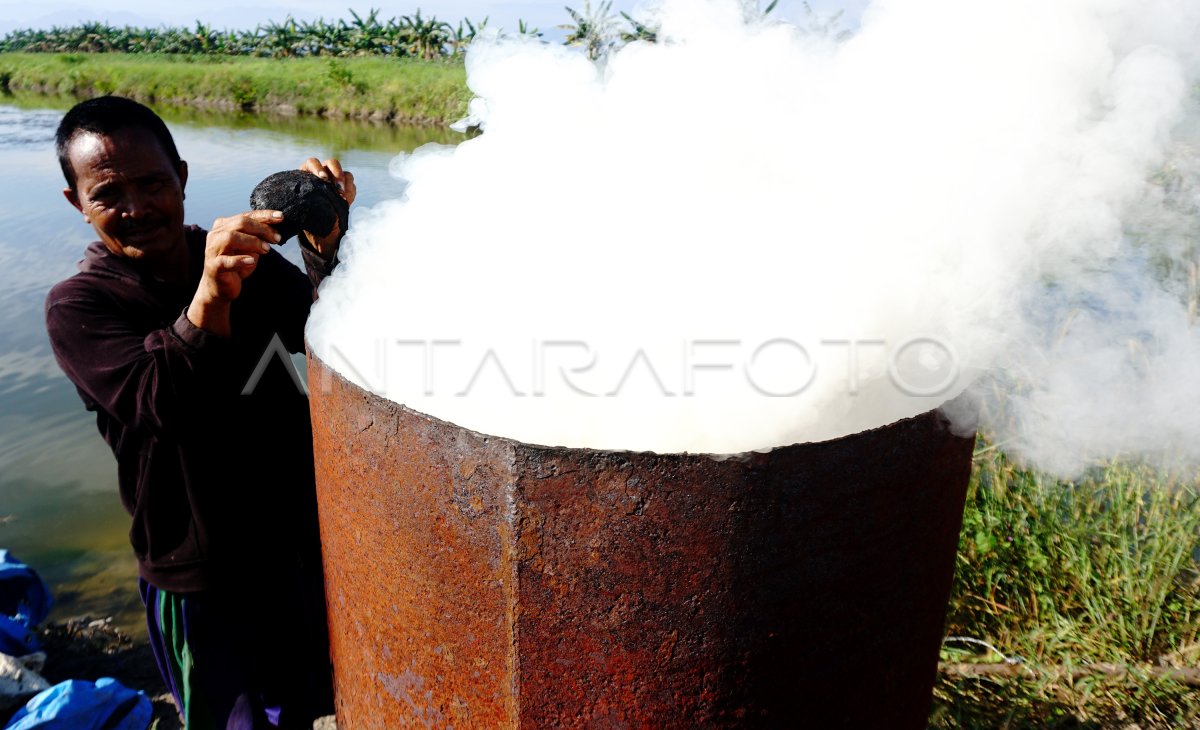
[59, 510]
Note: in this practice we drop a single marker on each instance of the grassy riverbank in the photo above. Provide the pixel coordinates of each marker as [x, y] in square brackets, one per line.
[1063, 579]
[403, 91]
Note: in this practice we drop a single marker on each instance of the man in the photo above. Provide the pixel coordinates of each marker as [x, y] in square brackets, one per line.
[161, 331]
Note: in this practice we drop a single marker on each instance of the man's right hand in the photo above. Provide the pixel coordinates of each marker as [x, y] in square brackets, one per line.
[230, 254]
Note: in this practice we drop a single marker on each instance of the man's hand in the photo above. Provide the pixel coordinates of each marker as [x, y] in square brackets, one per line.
[230, 254]
[330, 170]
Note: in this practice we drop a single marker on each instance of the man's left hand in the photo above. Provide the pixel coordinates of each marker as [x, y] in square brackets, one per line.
[331, 171]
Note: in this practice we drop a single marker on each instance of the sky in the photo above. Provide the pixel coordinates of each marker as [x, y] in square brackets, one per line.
[543, 14]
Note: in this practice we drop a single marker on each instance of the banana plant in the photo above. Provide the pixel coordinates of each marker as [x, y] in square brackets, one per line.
[824, 26]
[638, 31]
[429, 35]
[525, 30]
[594, 29]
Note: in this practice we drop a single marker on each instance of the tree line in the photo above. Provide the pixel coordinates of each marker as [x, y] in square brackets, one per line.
[414, 36]
[594, 28]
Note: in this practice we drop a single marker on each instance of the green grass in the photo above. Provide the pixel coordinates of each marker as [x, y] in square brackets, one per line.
[1068, 574]
[399, 90]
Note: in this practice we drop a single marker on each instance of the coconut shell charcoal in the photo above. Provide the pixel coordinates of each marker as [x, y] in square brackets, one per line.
[308, 203]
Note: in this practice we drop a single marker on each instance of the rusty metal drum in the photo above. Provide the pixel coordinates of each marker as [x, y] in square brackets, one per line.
[479, 582]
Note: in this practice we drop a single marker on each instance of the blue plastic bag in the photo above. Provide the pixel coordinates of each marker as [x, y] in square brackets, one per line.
[25, 602]
[79, 705]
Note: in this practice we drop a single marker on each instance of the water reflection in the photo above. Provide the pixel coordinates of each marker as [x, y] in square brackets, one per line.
[77, 538]
[340, 135]
[23, 128]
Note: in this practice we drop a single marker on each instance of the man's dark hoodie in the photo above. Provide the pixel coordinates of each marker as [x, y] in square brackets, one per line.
[211, 434]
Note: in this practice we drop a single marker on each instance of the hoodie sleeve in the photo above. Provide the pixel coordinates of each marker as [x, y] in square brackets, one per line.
[279, 288]
[318, 266]
[143, 380]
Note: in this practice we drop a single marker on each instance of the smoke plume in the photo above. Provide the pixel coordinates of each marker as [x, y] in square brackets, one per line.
[747, 235]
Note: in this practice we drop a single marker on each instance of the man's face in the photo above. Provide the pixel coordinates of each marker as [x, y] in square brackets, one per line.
[129, 191]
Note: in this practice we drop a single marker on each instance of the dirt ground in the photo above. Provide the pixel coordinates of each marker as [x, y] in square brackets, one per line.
[86, 648]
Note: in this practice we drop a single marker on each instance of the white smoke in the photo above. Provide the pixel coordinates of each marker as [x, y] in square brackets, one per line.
[634, 254]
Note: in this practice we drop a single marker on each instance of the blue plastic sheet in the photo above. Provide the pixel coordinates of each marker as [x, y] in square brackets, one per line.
[25, 602]
[17, 639]
[79, 705]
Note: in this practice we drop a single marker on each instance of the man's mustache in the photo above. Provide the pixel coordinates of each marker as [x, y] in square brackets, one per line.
[136, 225]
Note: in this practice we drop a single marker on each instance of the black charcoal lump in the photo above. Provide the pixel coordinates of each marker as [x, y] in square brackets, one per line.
[308, 203]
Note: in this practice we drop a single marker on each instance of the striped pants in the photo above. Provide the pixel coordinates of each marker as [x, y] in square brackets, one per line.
[244, 659]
